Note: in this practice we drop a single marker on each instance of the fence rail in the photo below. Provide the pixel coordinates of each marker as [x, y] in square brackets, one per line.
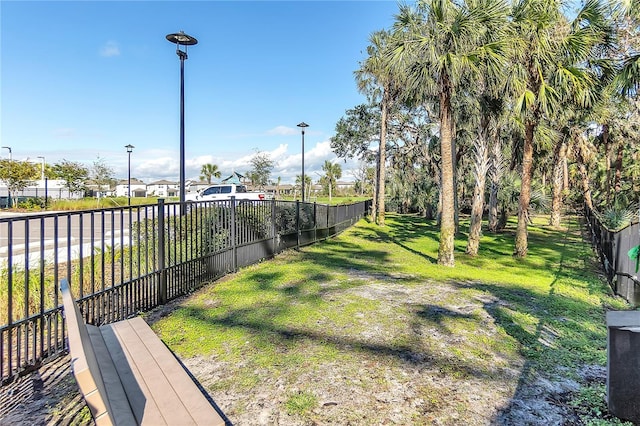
[127, 260]
[613, 248]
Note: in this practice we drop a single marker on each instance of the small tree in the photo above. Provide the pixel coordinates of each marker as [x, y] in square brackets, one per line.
[17, 175]
[101, 173]
[365, 176]
[262, 166]
[72, 173]
[307, 184]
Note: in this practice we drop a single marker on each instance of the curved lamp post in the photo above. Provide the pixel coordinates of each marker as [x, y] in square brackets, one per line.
[302, 127]
[182, 39]
[129, 151]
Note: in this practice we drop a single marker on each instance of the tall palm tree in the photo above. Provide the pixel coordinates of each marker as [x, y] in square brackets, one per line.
[491, 107]
[380, 84]
[332, 172]
[278, 186]
[442, 41]
[497, 169]
[558, 178]
[584, 153]
[628, 78]
[307, 184]
[619, 86]
[548, 56]
[209, 171]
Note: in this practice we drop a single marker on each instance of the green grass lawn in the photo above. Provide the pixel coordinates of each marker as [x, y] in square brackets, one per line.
[377, 295]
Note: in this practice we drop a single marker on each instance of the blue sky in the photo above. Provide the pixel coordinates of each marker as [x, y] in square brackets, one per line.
[82, 79]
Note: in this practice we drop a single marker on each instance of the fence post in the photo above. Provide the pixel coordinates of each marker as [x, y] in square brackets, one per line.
[273, 226]
[162, 284]
[297, 223]
[315, 221]
[234, 242]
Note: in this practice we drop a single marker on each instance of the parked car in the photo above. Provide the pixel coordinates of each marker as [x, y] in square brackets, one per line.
[225, 192]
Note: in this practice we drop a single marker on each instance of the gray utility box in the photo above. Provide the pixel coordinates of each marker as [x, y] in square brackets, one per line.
[623, 364]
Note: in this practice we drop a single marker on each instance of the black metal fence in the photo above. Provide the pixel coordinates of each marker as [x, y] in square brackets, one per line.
[613, 248]
[122, 261]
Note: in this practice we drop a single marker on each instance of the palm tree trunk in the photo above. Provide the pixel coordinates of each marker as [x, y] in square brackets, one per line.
[374, 203]
[607, 156]
[559, 156]
[481, 167]
[617, 187]
[584, 172]
[382, 157]
[521, 245]
[586, 187]
[447, 221]
[497, 168]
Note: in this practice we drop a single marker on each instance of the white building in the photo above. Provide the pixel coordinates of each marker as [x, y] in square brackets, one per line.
[163, 188]
[138, 188]
[50, 188]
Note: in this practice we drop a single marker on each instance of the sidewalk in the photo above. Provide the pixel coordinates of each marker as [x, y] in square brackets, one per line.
[7, 214]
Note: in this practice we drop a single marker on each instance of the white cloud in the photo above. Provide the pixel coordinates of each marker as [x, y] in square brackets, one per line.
[279, 152]
[282, 131]
[321, 150]
[199, 161]
[155, 168]
[110, 49]
[152, 165]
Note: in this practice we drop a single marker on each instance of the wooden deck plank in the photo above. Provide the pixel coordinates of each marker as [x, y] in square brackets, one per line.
[147, 370]
[142, 407]
[118, 400]
[200, 409]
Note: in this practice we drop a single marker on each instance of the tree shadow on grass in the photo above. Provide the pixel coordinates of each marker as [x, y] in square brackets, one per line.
[563, 326]
[558, 325]
[438, 314]
[259, 323]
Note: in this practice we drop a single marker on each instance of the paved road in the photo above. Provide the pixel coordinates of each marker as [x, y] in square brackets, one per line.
[30, 237]
[27, 237]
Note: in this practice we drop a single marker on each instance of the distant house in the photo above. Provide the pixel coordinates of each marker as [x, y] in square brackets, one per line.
[138, 188]
[279, 190]
[345, 186]
[95, 190]
[163, 188]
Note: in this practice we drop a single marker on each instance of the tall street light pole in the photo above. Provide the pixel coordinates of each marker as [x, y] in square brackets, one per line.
[302, 127]
[129, 151]
[182, 39]
[9, 148]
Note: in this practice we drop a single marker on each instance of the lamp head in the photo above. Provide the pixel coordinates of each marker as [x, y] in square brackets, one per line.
[182, 39]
